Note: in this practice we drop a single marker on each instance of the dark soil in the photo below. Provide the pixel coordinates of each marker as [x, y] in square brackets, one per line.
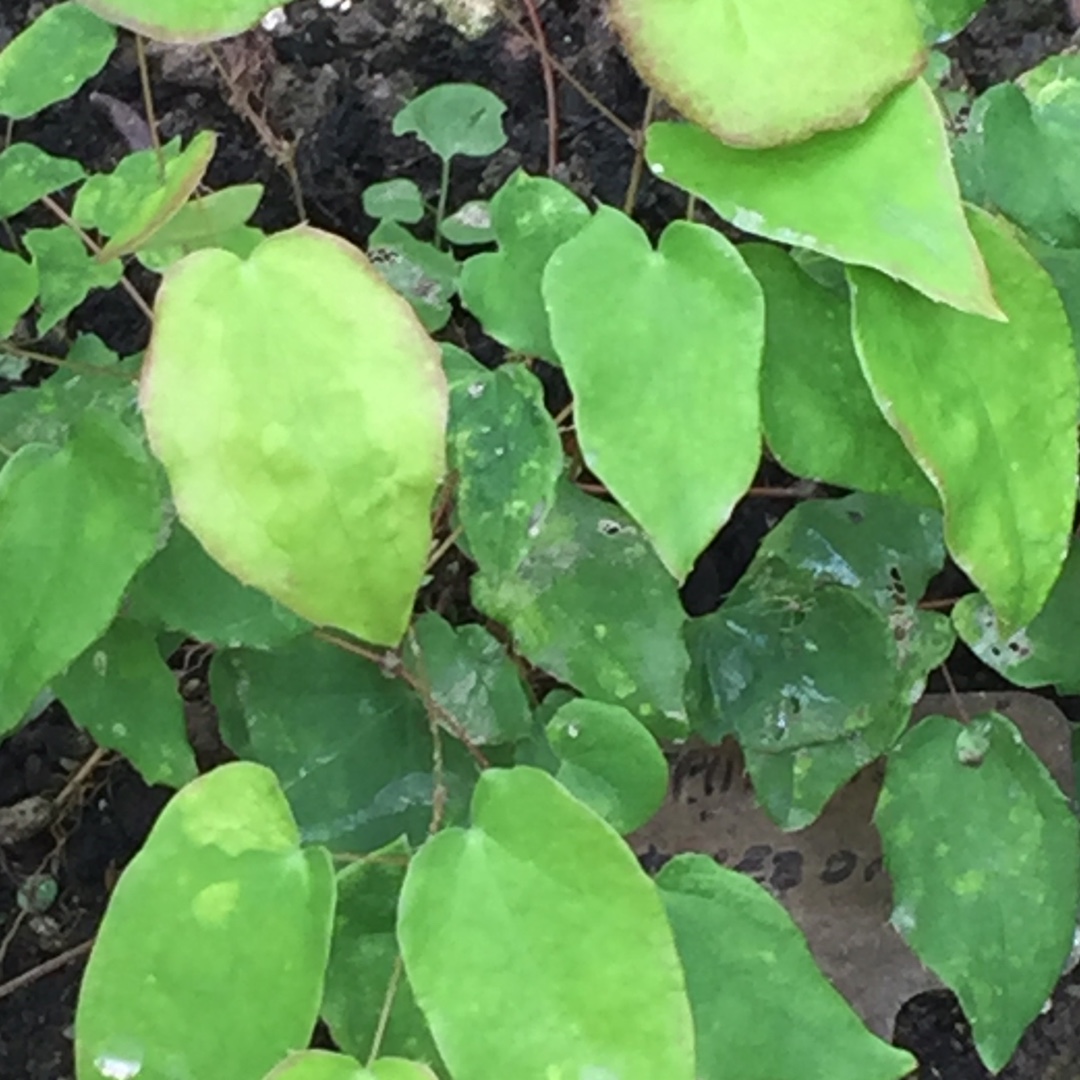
[331, 86]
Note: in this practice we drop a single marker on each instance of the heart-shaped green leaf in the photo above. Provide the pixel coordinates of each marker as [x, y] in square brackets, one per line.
[763, 74]
[882, 195]
[313, 481]
[984, 854]
[996, 437]
[537, 947]
[531, 217]
[682, 329]
[761, 1004]
[209, 961]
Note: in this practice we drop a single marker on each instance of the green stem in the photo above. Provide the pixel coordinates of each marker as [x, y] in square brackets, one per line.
[444, 194]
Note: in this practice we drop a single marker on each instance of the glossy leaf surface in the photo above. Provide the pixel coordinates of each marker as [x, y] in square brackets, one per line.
[537, 947]
[123, 693]
[1044, 651]
[351, 746]
[996, 438]
[593, 605]
[209, 961]
[312, 481]
[815, 659]
[682, 329]
[363, 954]
[470, 674]
[507, 455]
[989, 903]
[895, 167]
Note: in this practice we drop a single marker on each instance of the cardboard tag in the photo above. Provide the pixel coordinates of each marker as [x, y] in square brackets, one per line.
[830, 875]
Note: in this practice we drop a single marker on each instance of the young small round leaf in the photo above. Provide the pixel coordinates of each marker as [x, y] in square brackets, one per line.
[610, 761]
[455, 118]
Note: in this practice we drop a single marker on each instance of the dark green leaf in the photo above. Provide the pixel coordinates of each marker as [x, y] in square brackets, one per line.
[121, 691]
[425, 276]
[537, 947]
[505, 449]
[470, 675]
[984, 855]
[944, 19]
[363, 954]
[815, 659]
[182, 588]
[350, 745]
[594, 606]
